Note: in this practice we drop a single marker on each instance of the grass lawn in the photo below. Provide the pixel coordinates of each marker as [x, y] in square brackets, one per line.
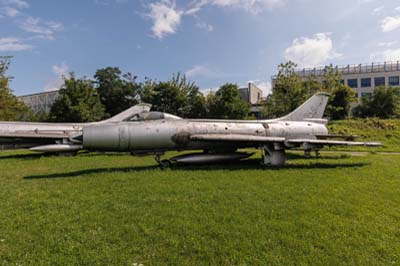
[99, 209]
[385, 131]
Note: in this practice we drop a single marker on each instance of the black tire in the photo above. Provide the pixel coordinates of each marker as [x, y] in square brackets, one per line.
[165, 164]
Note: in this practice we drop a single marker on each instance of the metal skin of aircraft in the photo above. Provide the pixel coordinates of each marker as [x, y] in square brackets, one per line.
[54, 137]
[155, 133]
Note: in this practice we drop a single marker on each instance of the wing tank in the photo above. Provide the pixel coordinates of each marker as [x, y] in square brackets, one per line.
[206, 158]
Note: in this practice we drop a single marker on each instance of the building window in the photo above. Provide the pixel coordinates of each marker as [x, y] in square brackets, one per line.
[394, 81]
[366, 83]
[353, 83]
[379, 81]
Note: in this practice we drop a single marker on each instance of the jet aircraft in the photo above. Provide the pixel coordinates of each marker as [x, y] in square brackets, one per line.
[155, 133]
[142, 132]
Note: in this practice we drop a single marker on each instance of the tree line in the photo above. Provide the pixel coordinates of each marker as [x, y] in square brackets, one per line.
[110, 92]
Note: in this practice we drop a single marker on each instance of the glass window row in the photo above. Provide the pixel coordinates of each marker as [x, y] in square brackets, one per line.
[378, 81]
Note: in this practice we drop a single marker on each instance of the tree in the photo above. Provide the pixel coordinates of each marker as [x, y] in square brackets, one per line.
[288, 93]
[117, 92]
[177, 96]
[383, 103]
[342, 96]
[11, 109]
[340, 102]
[78, 102]
[227, 103]
[332, 79]
[291, 90]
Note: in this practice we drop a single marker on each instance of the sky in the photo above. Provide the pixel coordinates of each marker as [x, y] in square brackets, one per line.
[211, 41]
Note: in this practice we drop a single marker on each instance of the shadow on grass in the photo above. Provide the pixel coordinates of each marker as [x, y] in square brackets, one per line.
[250, 164]
[40, 155]
[94, 171]
[300, 156]
[29, 156]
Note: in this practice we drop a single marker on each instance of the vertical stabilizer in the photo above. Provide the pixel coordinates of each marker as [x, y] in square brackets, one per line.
[313, 108]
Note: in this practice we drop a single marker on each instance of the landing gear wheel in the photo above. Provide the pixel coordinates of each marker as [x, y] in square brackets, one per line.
[165, 164]
[162, 163]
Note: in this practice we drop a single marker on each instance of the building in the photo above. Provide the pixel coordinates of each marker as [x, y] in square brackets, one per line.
[40, 102]
[362, 78]
[251, 94]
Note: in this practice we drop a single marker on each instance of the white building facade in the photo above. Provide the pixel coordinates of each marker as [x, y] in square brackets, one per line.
[362, 78]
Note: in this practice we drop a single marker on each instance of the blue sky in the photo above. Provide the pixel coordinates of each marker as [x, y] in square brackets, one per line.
[212, 41]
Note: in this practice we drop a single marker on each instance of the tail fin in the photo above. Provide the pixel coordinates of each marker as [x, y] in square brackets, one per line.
[313, 108]
[129, 113]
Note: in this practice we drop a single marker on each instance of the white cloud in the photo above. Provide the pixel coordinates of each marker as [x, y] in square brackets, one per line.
[11, 8]
[199, 71]
[43, 28]
[386, 55]
[13, 44]
[387, 44]
[204, 26]
[310, 52]
[16, 3]
[254, 6]
[193, 10]
[60, 70]
[55, 83]
[378, 10]
[390, 24]
[366, 1]
[9, 12]
[166, 18]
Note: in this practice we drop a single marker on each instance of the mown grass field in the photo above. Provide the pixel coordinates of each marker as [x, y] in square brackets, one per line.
[105, 209]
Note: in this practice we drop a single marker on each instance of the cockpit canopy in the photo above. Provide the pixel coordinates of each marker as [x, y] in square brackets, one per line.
[147, 116]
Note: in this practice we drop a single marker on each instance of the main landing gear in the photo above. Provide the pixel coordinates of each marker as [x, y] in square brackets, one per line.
[274, 155]
[162, 163]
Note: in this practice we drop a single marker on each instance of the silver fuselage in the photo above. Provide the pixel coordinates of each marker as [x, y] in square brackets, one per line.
[175, 134]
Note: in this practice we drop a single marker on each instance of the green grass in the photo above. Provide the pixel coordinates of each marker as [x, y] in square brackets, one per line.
[103, 209]
[385, 131]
